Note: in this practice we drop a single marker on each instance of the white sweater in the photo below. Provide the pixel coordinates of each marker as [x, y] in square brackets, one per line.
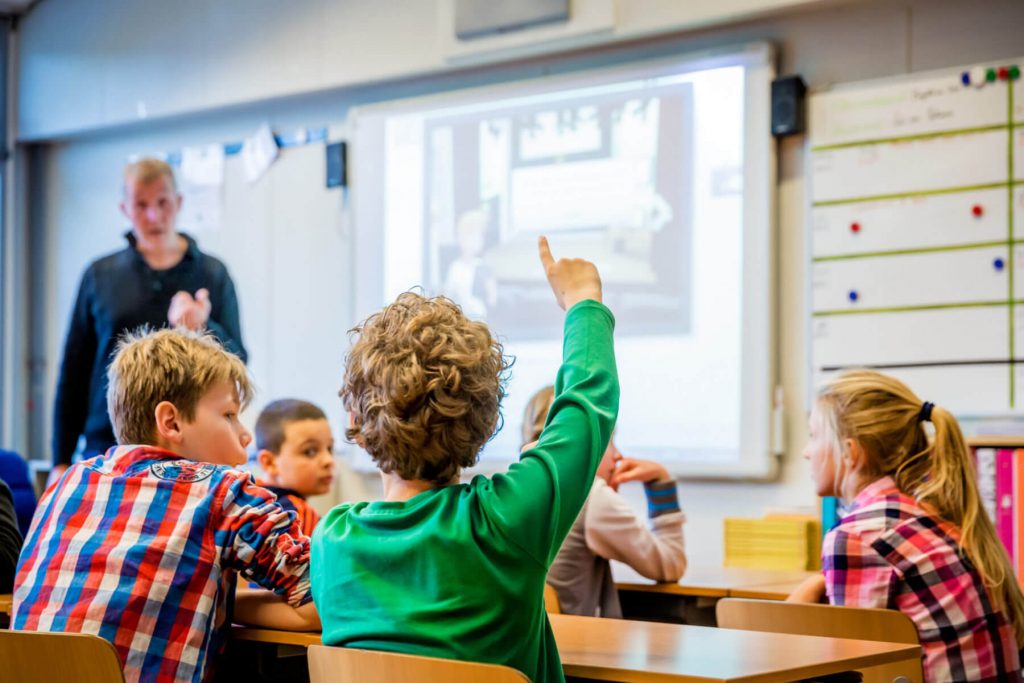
[608, 529]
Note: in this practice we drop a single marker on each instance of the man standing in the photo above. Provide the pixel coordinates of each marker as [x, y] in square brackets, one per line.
[161, 278]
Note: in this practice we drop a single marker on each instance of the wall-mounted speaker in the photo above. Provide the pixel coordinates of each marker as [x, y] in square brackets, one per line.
[788, 111]
[337, 166]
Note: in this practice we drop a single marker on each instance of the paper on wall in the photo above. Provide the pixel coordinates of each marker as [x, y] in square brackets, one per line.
[202, 179]
[258, 153]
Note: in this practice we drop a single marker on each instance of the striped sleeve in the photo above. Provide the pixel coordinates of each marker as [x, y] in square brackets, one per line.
[262, 540]
[662, 498]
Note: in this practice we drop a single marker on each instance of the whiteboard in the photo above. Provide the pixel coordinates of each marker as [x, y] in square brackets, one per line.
[916, 227]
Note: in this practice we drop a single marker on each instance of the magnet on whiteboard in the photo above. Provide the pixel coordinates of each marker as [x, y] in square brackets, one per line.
[998, 263]
[977, 211]
[854, 296]
[1004, 73]
[854, 227]
[977, 77]
[965, 78]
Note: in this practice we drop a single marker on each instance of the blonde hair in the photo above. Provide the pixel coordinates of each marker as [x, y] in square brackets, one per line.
[423, 388]
[884, 417]
[536, 413]
[148, 169]
[178, 366]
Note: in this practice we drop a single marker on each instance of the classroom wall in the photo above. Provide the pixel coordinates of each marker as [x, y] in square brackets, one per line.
[214, 54]
[74, 216]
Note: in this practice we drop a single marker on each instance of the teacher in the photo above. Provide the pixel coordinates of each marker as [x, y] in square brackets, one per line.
[161, 278]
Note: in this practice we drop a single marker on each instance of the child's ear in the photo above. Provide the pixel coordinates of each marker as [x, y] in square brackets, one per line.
[268, 462]
[168, 422]
[855, 457]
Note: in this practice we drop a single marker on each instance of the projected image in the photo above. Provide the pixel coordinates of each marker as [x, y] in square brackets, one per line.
[640, 170]
[608, 179]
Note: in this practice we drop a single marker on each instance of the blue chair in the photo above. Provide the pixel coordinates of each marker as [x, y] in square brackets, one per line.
[14, 472]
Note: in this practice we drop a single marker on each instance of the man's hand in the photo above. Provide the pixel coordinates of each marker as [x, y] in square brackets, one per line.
[571, 279]
[188, 312]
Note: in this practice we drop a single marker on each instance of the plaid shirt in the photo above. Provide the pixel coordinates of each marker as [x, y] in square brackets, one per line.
[292, 500]
[138, 547]
[889, 552]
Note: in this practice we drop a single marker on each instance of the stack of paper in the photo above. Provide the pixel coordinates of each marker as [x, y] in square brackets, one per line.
[775, 542]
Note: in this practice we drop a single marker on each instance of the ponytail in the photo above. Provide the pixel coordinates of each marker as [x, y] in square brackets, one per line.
[888, 421]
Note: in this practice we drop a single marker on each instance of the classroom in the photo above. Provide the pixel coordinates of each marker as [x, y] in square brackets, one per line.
[773, 192]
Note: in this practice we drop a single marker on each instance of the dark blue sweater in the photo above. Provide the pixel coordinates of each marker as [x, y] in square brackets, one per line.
[120, 292]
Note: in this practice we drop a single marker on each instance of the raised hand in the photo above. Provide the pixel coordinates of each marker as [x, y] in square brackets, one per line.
[571, 279]
[190, 312]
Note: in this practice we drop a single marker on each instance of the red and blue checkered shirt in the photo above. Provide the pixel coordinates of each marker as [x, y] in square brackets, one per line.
[139, 546]
[889, 552]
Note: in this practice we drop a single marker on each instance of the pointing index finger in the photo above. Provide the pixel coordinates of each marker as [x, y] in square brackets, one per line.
[546, 258]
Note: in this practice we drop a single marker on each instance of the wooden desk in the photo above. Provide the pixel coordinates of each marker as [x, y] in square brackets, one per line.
[768, 591]
[618, 650]
[713, 582]
[6, 602]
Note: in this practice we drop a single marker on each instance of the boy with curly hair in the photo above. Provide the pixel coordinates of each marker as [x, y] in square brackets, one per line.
[140, 545]
[454, 570]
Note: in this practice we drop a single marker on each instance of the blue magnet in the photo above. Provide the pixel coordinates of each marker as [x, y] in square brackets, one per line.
[854, 296]
[965, 78]
[998, 264]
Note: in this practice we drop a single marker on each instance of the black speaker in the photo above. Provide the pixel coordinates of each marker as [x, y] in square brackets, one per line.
[337, 168]
[788, 106]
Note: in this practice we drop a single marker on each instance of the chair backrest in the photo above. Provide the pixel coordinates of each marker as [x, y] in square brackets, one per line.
[14, 473]
[31, 657]
[551, 604]
[881, 625]
[344, 665]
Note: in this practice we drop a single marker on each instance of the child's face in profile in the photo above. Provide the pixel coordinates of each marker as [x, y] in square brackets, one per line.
[305, 462]
[819, 452]
[215, 435]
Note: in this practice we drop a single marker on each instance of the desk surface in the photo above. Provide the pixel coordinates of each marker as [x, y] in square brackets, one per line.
[619, 650]
[766, 591]
[715, 582]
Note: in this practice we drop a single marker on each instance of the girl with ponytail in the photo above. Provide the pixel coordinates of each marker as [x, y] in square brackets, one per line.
[915, 536]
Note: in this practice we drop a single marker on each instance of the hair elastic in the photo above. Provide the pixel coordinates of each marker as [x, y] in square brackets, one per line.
[926, 412]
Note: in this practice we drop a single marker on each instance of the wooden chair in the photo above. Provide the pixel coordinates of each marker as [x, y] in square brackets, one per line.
[879, 625]
[31, 657]
[551, 604]
[342, 665]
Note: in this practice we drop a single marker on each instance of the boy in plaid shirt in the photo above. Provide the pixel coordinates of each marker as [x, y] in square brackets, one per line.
[915, 536]
[140, 545]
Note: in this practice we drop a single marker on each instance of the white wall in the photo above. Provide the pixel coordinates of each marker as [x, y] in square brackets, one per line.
[259, 49]
[108, 62]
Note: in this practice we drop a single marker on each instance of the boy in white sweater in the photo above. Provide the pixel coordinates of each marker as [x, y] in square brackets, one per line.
[608, 529]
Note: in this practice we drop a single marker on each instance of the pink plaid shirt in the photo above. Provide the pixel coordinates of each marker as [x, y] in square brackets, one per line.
[139, 546]
[889, 552]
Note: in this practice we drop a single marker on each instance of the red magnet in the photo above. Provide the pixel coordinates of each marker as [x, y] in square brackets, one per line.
[977, 210]
[855, 228]
[1004, 73]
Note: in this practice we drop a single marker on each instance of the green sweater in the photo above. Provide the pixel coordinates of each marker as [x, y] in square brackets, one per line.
[458, 572]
